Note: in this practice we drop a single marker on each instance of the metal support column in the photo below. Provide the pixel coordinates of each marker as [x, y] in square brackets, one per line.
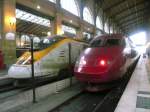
[70, 67]
[32, 68]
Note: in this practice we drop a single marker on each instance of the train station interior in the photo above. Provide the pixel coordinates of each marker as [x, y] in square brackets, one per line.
[74, 56]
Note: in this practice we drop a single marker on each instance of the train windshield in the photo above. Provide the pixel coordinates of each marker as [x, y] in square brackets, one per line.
[112, 42]
[45, 43]
[96, 43]
[105, 42]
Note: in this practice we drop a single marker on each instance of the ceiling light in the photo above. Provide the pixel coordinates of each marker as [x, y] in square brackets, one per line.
[48, 33]
[71, 21]
[38, 7]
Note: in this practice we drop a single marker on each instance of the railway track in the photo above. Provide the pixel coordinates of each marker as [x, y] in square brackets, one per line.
[83, 102]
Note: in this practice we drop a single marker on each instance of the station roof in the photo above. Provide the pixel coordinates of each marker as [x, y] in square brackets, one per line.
[31, 28]
[130, 15]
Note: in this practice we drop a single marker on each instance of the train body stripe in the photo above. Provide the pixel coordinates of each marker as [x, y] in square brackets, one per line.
[40, 54]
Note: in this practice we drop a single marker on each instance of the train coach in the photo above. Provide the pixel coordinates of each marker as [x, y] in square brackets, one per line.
[51, 58]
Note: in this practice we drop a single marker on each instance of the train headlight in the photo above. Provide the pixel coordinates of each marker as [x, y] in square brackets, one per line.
[102, 62]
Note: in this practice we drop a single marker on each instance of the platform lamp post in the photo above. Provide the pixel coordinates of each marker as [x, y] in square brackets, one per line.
[32, 68]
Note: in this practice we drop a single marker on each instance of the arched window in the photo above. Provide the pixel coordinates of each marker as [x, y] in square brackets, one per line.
[25, 38]
[25, 41]
[99, 23]
[87, 16]
[54, 1]
[36, 39]
[71, 6]
[106, 27]
[111, 30]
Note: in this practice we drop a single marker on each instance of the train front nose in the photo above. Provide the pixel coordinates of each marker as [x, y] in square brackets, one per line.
[19, 71]
[94, 74]
[93, 67]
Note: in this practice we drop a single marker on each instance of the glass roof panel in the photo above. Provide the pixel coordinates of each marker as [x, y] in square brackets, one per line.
[106, 27]
[32, 18]
[54, 1]
[87, 16]
[99, 23]
[71, 6]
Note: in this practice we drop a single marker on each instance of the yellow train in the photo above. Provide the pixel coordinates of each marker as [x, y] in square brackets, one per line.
[49, 60]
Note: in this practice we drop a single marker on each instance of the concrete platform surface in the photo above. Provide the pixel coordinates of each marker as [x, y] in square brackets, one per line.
[47, 96]
[3, 72]
[51, 101]
[136, 97]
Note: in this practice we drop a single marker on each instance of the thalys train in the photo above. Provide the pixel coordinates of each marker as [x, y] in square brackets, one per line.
[105, 60]
[49, 60]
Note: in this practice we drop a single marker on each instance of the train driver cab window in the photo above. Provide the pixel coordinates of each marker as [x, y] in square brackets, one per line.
[112, 42]
[96, 43]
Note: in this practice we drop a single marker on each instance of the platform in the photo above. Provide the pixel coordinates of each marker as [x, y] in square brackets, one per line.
[4, 79]
[3, 72]
[136, 97]
[47, 96]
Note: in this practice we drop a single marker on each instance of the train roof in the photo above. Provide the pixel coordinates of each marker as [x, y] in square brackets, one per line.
[119, 36]
[65, 37]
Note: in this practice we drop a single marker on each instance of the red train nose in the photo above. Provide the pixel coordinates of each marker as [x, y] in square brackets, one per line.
[92, 66]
